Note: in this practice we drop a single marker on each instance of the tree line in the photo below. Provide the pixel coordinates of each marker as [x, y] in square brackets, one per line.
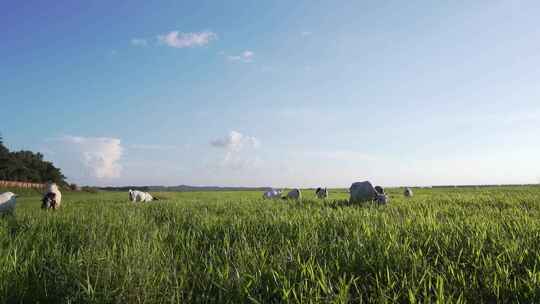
[27, 166]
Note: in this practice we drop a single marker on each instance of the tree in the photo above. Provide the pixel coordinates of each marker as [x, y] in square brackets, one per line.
[27, 166]
[4, 159]
[3, 149]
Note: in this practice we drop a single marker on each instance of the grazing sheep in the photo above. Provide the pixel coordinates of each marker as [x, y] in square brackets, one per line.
[139, 196]
[294, 194]
[408, 192]
[365, 192]
[7, 202]
[52, 198]
[321, 193]
[362, 192]
[272, 194]
[49, 201]
[381, 198]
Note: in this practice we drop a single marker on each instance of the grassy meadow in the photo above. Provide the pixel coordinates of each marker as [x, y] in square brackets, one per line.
[463, 245]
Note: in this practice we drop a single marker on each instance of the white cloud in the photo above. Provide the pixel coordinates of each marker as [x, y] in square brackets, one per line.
[238, 150]
[177, 39]
[98, 157]
[139, 42]
[245, 56]
[235, 141]
[306, 33]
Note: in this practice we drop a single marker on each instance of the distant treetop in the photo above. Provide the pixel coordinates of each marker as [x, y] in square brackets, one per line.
[27, 166]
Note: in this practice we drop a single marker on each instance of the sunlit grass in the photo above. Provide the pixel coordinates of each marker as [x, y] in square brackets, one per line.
[443, 245]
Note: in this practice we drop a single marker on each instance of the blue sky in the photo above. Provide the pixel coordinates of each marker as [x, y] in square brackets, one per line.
[275, 93]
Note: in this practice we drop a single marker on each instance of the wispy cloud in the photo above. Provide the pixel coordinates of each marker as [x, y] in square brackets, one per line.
[503, 119]
[306, 33]
[245, 56]
[338, 155]
[347, 155]
[153, 147]
[139, 42]
[177, 39]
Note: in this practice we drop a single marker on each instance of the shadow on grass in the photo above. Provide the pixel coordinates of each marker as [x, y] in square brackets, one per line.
[13, 225]
[343, 203]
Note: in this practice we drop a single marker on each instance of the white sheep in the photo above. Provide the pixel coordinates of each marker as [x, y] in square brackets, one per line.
[408, 192]
[7, 202]
[294, 194]
[53, 197]
[139, 196]
[272, 194]
[321, 193]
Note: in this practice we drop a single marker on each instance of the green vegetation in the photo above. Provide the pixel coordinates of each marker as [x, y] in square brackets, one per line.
[443, 245]
[27, 166]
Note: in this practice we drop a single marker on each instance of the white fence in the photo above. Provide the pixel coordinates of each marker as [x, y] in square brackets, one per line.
[24, 185]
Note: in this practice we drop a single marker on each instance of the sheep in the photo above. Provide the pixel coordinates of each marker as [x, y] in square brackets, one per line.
[7, 202]
[364, 192]
[321, 193]
[294, 194]
[408, 192]
[52, 198]
[49, 201]
[381, 198]
[139, 196]
[272, 193]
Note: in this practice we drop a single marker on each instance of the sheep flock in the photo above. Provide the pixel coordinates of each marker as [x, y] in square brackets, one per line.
[359, 192]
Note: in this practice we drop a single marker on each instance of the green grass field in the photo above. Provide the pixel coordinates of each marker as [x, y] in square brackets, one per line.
[444, 245]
